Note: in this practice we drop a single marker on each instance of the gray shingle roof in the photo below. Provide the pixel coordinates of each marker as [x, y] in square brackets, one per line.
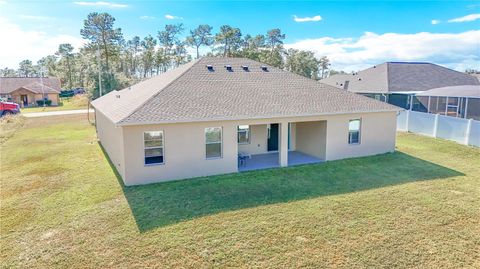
[193, 93]
[10, 84]
[401, 77]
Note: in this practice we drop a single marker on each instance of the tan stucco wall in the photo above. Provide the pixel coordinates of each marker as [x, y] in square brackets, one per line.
[184, 152]
[378, 131]
[311, 138]
[53, 97]
[111, 138]
[185, 144]
[258, 140]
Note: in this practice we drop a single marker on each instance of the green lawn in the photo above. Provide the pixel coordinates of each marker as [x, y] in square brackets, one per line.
[63, 206]
[72, 103]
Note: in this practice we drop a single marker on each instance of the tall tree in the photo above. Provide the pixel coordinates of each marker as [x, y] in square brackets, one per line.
[65, 51]
[49, 63]
[169, 37]
[25, 68]
[99, 29]
[324, 65]
[160, 60]
[200, 36]
[275, 39]
[229, 39]
[148, 45]
[7, 72]
[302, 62]
[133, 49]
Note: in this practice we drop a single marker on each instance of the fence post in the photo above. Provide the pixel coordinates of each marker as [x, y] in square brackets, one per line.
[435, 126]
[467, 133]
[407, 121]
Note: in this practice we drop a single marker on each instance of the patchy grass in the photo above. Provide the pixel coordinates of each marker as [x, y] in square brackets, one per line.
[64, 207]
[72, 103]
[9, 125]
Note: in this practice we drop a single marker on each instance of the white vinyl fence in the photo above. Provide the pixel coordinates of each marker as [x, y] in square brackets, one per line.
[456, 129]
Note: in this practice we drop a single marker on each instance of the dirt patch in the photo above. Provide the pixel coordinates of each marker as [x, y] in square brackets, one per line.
[45, 172]
[9, 125]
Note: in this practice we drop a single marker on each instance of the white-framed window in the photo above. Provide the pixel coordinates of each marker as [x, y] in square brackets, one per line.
[243, 134]
[153, 145]
[213, 142]
[354, 131]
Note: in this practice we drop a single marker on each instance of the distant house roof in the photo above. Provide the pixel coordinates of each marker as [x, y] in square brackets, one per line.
[400, 77]
[33, 84]
[206, 90]
[472, 91]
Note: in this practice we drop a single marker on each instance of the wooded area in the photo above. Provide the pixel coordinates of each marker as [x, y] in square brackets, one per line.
[124, 62]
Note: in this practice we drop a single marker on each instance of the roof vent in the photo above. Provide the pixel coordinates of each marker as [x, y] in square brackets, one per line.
[264, 68]
[118, 96]
[359, 79]
[229, 68]
[210, 67]
[245, 68]
[374, 66]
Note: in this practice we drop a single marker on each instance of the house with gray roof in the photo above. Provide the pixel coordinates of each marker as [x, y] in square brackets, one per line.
[27, 91]
[399, 83]
[223, 115]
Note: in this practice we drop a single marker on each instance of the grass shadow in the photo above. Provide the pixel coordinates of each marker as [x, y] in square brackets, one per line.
[161, 204]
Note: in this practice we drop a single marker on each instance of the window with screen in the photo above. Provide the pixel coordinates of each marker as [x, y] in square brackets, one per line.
[243, 134]
[153, 147]
[354, 131]
[213, 142]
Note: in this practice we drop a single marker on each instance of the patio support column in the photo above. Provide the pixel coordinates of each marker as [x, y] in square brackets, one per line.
[283, 144]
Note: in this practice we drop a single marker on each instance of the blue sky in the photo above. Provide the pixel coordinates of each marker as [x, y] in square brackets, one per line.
[354, 34]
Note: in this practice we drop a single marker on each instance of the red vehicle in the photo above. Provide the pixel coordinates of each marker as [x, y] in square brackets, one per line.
[7, 108]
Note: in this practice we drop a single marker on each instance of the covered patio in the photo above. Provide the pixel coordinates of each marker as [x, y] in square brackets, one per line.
[271, 160]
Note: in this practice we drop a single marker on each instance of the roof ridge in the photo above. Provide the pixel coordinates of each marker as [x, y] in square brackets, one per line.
[193, 62]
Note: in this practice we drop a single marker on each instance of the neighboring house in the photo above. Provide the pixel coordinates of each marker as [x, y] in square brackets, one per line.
[398, 82]
[27, 91]
[455, 101]
[206, 117]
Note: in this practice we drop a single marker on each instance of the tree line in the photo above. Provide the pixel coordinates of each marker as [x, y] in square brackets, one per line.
[124, 62]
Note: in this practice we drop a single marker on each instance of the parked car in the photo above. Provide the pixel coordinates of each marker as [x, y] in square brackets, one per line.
[7, 108]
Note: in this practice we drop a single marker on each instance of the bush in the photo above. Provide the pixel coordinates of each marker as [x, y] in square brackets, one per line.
[67, 93]
[46, 102]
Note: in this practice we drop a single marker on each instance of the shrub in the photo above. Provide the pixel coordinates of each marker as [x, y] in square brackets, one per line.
[46, 102]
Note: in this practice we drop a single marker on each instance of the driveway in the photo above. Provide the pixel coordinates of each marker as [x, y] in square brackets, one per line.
[55, 113]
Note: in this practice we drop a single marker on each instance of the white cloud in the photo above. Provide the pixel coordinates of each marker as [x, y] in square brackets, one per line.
[171, 17]
[453, 50]
[101, 4]
[307, 19]
[147, 17]
[471, 17]
[434, 22]
[3, 2]
[29, 44]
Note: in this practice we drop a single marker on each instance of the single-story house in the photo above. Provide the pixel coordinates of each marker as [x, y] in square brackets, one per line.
[223, 115]
[398, 82]
[27, 91]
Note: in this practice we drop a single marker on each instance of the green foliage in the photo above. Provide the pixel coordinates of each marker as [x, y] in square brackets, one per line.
[44, 102]
[302, 63]
[124, 62]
